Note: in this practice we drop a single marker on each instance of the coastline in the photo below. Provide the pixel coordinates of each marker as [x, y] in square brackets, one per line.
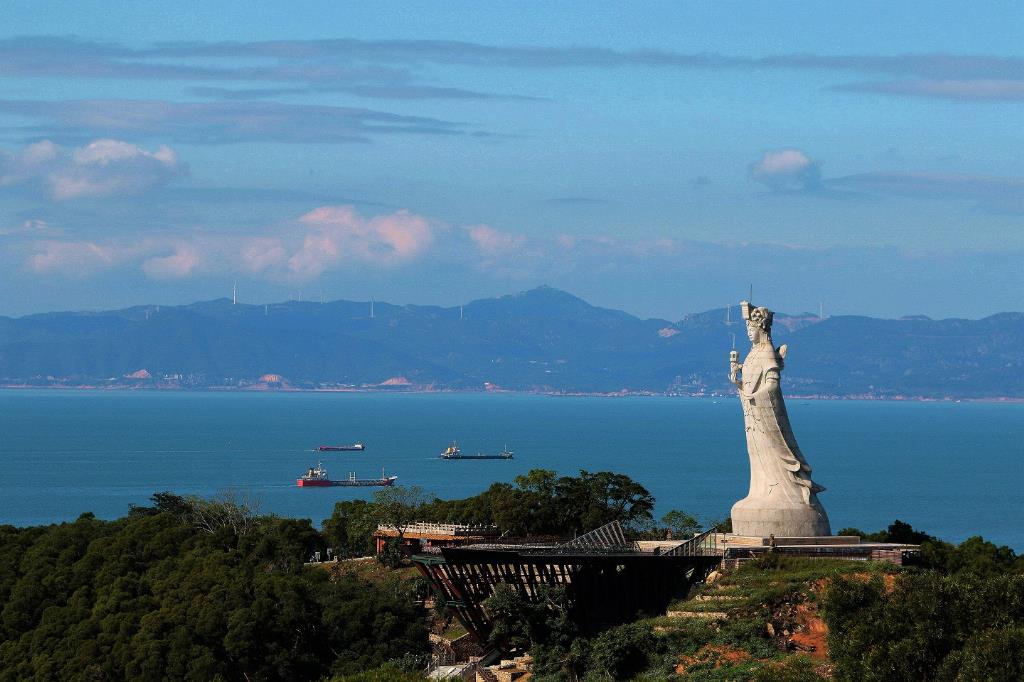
[412, 389]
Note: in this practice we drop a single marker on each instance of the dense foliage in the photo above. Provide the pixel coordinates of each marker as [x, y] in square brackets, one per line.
[928, 626]
[209, 589]
[190, 589]
[961, 618]
[975, 555]
[545, 629]
[540, 503]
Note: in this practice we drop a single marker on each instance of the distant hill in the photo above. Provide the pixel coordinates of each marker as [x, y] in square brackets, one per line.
[539, 340]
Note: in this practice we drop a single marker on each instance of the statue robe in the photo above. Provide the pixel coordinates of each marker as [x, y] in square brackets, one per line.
[777, 466]
[780, 477]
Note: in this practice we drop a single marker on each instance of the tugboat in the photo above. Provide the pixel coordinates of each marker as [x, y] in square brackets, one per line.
[357, 447]
[317, 477]
[453, 452]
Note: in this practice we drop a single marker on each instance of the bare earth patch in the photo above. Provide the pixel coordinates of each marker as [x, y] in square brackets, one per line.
[715, 654]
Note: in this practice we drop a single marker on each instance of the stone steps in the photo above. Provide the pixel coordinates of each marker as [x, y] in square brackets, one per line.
[710, 615]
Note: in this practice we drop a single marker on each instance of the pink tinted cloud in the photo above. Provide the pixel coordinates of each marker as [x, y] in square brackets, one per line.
[71, 258]
[179, 264]
[339, 233]
[333, 236]
[262, 253]
[319, 252]
[492, 241]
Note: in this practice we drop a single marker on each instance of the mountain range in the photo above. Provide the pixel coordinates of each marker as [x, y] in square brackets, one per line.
[538, 340]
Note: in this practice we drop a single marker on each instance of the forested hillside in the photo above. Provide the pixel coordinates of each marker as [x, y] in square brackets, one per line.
[194, 589]
[190, 590]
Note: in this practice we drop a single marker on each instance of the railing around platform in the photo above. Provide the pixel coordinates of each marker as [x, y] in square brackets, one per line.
[452, 529]
[703, 544]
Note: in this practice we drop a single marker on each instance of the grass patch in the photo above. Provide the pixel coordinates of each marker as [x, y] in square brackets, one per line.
[454, 631]
[372, 570]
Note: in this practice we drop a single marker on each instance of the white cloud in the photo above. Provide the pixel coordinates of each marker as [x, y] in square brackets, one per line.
[979, 89]
[786, 169]
[32, 226]
[102, 168]
[992, 193]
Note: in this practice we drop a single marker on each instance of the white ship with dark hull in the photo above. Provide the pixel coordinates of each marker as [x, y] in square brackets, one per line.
[453, 452]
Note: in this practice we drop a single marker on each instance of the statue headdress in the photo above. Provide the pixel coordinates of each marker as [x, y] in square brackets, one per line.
[762, 317]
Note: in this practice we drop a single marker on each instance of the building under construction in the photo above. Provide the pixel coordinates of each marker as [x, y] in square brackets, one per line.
[423, 536]
[608, 579]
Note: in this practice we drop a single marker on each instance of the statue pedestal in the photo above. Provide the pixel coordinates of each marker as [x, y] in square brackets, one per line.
[763, 518]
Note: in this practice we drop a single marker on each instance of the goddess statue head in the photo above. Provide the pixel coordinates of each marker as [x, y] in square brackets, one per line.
[759, 322]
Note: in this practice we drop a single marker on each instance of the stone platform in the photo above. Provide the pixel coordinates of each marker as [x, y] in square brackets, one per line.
[740, 547]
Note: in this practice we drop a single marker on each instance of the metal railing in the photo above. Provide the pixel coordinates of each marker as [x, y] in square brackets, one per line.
[608, 536]
[453, 529]
[703, 544]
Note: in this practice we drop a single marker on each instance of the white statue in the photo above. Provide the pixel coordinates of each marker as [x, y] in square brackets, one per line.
[783, 500]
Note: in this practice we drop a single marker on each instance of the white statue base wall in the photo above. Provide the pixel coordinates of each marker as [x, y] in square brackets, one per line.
[762, 518]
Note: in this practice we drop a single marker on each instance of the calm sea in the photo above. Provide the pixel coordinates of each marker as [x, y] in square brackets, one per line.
[953, 469]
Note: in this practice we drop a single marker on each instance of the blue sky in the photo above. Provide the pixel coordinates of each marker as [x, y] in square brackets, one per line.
[659, 159]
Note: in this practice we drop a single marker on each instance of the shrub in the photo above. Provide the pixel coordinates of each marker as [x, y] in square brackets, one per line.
[926, 625]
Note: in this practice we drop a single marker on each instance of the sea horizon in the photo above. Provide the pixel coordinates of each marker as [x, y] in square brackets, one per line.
[501, 391]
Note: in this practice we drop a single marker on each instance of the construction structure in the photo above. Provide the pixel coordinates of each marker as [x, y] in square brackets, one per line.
[428, 537]
[607, 578]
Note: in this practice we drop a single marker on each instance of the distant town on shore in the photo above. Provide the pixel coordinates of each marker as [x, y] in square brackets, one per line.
[540, 341]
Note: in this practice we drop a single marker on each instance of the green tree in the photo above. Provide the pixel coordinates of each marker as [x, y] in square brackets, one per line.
[929, 626]
[620, 653]
[681, 524]
[518, 622]
[398, 507]
[988, 656]
[974, 555]
[594, 499]
[512, 619]
[981, 557]
[153, 596]
[350, 527]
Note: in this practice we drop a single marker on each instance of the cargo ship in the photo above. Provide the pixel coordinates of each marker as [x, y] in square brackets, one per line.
[453, 452]
[317, 477]
[357, 446]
